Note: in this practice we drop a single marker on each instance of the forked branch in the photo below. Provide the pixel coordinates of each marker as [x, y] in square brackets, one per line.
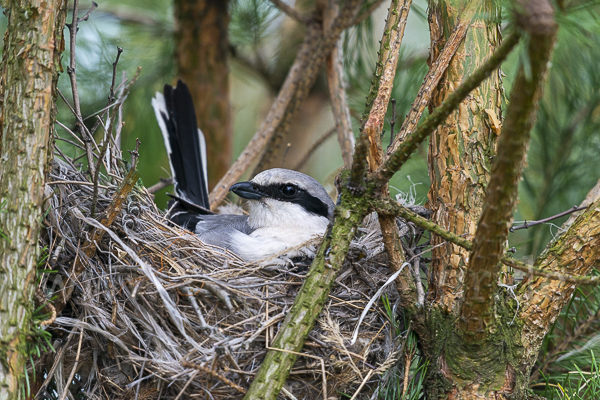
[392, 164]
[431, 81]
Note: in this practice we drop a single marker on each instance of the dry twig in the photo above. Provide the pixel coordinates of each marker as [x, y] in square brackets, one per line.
[87, 137]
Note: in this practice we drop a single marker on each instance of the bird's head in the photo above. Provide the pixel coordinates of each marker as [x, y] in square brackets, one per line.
[282, 197]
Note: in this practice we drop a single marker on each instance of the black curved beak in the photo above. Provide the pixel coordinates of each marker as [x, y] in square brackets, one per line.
[247, 190]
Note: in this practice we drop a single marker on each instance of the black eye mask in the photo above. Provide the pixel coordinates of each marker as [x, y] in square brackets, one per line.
[298, 196]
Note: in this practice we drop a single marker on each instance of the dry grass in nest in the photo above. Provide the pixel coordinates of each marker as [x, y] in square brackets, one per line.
[156, 312]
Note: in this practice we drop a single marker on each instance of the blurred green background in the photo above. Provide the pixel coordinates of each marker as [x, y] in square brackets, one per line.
[563, 162]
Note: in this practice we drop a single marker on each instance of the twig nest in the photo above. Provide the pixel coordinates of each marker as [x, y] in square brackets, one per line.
[157, 307]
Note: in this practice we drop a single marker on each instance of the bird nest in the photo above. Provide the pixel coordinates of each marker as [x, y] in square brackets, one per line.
[146, 310]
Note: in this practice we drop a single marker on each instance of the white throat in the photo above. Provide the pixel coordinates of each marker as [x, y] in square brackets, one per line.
[270, 213]
[278, 226]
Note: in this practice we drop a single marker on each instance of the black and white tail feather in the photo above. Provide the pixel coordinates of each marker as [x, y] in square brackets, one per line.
[287, 209]
[186, 148]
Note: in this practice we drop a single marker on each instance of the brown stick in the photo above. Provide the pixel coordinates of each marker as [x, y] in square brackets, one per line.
[314, 147]
[163, 183]
[384, 75]
[86, 135]
[372, 128]
[290, 11]
[187, 364]
[430, 82]
[337, 92]
[74, 369]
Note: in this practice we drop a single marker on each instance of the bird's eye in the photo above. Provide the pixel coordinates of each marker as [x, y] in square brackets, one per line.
[289, 190]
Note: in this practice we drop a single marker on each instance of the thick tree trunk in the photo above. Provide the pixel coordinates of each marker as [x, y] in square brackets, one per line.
[30, 62]
[471, 332]
[202, 53]
[461, 150]
[460, 159]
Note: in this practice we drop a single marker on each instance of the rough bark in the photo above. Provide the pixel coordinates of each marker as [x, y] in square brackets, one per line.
[577, 252]
[486, 357]
[32, 47]
[501, 194]
[461, 150]
[202, 61]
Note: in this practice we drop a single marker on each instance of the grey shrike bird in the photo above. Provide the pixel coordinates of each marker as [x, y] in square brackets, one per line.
[285, 208]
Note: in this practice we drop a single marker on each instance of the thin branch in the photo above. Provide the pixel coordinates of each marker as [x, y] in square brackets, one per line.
[79, 122]
[362, 384]
[379, 97]
[430, 83]
[70, 132]
[367, 147]
[111, 93]
[501, 193]
[97, 168]
[387, 206]
[336, 84]
[367, 13]
[108, 134]
[164, 182]
[86, 16]
[390, 207]
[111, 96]
[85, 134]
[73, 370]
[57, 360]
[527, 225]
[381, 88]
[187, 364]
[290, 11]
[135, 155]
[393, 163]
[314, 147]
[72, 143]
[531, 270]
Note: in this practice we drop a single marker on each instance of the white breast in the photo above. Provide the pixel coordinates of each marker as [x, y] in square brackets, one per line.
[278, 226]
